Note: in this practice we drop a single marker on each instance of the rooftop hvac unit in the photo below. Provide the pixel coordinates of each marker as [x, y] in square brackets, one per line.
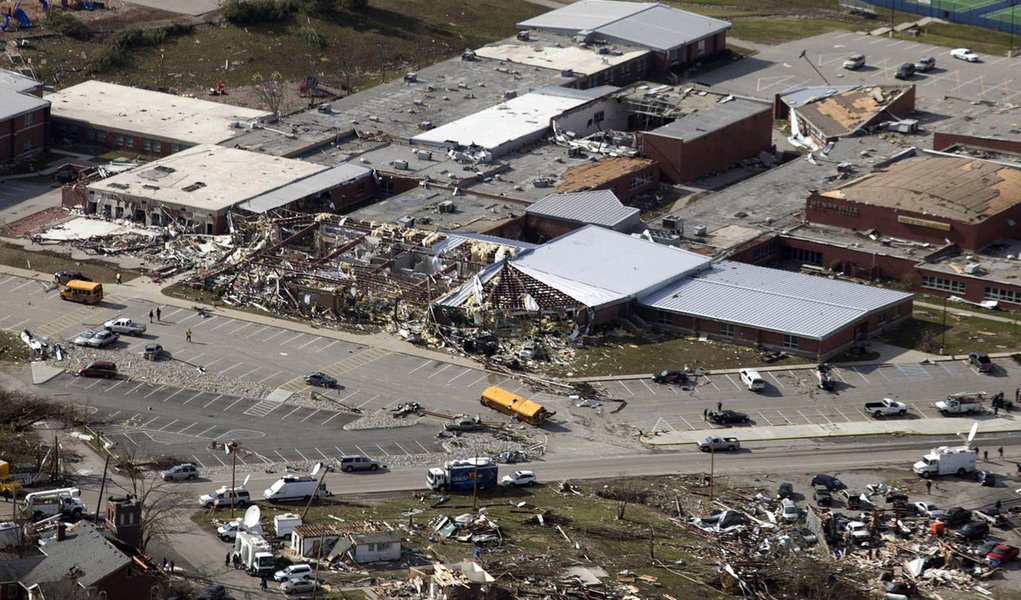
[523, 36]
[424, 154]
[411, 77]
[510, 94]
[671, 222]
[543, 182]
[447, 206]
[406, 221]
[972, 268]
[603, 50]
[567, 73]
[904, 126]
[425, 125]
[400, 164]
[700, 230]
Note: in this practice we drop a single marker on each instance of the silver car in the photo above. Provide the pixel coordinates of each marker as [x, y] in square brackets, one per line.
[180, 473]
[95, 339]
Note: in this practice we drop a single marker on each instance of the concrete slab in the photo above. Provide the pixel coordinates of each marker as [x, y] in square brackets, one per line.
[41, 372]
[279, 395]
[948, 427]
[182, 7]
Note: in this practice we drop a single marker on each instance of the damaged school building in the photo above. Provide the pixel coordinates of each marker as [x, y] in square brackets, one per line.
[472, 192]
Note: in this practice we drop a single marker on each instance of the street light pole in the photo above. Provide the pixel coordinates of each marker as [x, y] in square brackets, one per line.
[232, 447]
[943, 344]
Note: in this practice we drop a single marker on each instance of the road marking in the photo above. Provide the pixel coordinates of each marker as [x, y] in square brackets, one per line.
[296, 409]
[803, 416]
[775, 379]
[312, 341]
[303, 457]
[230, 368]
[402, 448]
[219, 460]
[270, 377]
[191, 316]
[281, 332]
[92, 385]
[153, 392]
[363, 452]
[381, 450]
[195, 358]
[188, 427]
[206, 405]
[213, 362]
[288, 342]
[29, 282]
[111, 416]
[823, 415]
[461, 374]
[420, 366]
[686, 422]
[281, 456]
[168, 424]
[882, 374]
[712, 383]
[481, 377]
[764, 417]
[646, 384]
[335, 415]
[198, 462]
[424, 449]
[321, 454]
[774, 81]
[257, 331]
[841, 413]
[224, 324]
[249, 373]
[6, 280]
[438, 371]
[232, 404]
[204, 431]
[179, 390]
[310, 415]
[342, 453]
[327, 346]
[193, 397]
[149, 422]
[855, 370]
[623, 385]
[263, 407]
[731, 380]
[239, 329]
[368, 401]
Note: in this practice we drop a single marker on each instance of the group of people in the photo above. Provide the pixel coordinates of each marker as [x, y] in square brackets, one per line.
[234, 559]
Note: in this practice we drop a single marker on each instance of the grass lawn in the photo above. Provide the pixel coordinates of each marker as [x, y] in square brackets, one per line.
[589, 520]
[12, 348]
[44, 261]
[963, 334]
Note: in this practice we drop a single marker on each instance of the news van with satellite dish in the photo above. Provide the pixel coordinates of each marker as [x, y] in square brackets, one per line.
[294, 488]
[948, 460]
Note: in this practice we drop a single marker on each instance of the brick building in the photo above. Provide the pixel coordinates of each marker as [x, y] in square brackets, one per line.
[626, 177]
[558, 214]
[820, 115]
[24, 117]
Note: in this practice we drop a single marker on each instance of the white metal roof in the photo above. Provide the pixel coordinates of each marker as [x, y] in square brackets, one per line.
[15, 98]
[647, 24]
[597, 207]
[153, 114]
[598, 266]
[584, 15]
[207, 177]
[313, 184]
[663, 28]
[793, 303]
[582, 61]
[517, 118]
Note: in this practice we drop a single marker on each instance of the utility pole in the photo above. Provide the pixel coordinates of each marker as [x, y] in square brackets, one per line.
[712, 471]
[315, 493]
[804, 55]
[232, 448]
[475, 484]
[943, 344]
[102, 485]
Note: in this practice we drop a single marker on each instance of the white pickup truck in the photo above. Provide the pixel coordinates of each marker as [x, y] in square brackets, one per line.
[886, 408]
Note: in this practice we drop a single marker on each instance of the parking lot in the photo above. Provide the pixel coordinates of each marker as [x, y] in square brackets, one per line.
[776, 69]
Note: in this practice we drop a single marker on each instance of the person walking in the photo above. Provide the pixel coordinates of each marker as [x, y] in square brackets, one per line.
[705, 415]
[1000, 451]
[226, 560]
[187, 335]
[118, 277]
[263, 584]
[985, 455]
[159, 314]
[1017, 395]
[150, 316]
[928, 487]
[719, 406]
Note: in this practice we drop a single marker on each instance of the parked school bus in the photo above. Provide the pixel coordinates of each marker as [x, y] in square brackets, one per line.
[86, 292]
[528, 411]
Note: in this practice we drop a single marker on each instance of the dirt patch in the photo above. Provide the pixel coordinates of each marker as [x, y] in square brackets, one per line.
[46, 261]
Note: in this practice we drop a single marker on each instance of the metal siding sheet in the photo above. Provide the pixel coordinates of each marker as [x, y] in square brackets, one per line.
[313, 184]
[703, 122]
[800, 305]
[598, 207]
[663, 28]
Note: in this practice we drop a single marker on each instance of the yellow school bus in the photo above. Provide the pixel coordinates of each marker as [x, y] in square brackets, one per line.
[500, 399]
[86, 292]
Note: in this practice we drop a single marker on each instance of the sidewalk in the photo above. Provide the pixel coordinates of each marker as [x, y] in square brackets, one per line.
[947, 427]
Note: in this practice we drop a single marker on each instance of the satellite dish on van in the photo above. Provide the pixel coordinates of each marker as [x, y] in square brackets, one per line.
[252, 516]
[244, 483]
[971, 434]
[316, 469]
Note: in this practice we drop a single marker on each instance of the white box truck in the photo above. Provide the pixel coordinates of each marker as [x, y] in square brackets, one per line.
[63, 501]
[946, 461]
[255, 554]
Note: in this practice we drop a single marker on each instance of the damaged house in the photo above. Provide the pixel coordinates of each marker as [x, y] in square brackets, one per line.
[335, 541]
[822, 115]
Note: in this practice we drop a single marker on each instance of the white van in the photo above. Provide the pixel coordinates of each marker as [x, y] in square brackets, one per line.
[752, 379]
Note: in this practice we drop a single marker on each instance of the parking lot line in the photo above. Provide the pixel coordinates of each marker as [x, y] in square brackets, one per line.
[111, 416]
[295, 338]
[233, 331]
[882, 374]
[859, 374]
[780, 385]
[303, 457]
[381, 450]
[296, 409]
[281, 332]
[803, 416]
[168, 424]
[424, 449]
[335, 415]
[263, 380]
[438, 371]
[153, 392]
[224, 324]
[179, 390]
[686, 423]
[312, 341]
[6, 280]
[194, 358]
[198, 462]
[249, 373]
[731, 380]
[188, 427]
[342, 453]
[364, 453]
[206, 405]
[193, 397]
[648, 387]
[461, 374]
[231, 367]
[321, 454]
[841, 413]
[419, 367]
[368, 401]
[257, 331]
[823, 415]
[149, 422]
[402, 448]
[205, 431]
[768, 422]
[281, 456]
[327, 346]
[627, 388]
[310, 415]
[231, 404]
[213, 362]
[29, 282]
[192, 315]
[92, 385]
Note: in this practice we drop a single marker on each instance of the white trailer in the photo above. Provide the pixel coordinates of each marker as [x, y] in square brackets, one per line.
[63, 501]
[255, 554]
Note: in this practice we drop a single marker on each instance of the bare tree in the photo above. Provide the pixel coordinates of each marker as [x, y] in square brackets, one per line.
[623, 494]
[270, 91]
[159, 504]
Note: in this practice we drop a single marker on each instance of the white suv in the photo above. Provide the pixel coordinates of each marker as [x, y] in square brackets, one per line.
[752, 379]
[519, 478]
[302, 571]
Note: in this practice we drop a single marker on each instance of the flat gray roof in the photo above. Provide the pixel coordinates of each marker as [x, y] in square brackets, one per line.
[207, 177]
[598, 267]
[702, 122]
[313, 184]
[152, 114]
[596, 207]
[647, 24]
[559, 52]
[801, 305]
[15, 99]
[470, 212]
